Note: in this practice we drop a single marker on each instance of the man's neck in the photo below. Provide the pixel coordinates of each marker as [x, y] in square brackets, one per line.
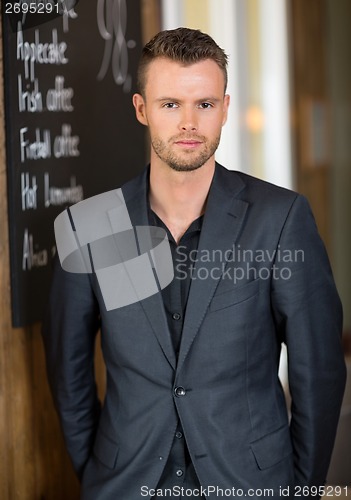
[179, 198]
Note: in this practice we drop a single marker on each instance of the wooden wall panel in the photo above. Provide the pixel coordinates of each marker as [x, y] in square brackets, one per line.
[5, 326]
[311, 108]
[151, 15]
[34, 464]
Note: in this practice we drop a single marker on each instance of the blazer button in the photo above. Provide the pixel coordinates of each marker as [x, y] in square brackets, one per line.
[179, 391]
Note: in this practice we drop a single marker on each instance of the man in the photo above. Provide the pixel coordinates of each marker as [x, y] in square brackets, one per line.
[193, 398]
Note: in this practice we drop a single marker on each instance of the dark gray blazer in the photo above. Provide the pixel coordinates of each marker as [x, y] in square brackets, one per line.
[276, 287]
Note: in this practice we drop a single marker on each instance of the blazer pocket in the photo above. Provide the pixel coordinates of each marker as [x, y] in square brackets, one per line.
[105, 450]
[235, 296]
[272, 448]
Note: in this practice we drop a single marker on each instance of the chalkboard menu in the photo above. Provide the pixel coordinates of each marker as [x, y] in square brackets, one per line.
[71, 131]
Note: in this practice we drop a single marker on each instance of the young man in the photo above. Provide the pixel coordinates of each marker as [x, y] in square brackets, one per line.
[193, 405]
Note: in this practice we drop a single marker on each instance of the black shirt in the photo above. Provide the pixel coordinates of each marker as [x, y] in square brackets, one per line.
[175, 295]
[179, 470]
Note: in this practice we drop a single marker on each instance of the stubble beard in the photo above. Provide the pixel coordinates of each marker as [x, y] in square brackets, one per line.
[179, 163]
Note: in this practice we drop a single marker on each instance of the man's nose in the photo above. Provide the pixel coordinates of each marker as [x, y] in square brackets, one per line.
[188, 120]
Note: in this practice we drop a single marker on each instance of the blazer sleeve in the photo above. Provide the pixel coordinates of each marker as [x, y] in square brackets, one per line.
[69, 333]
[308, 314]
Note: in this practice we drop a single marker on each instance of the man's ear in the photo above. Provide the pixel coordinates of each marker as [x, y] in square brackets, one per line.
[226, 103]
[139, 105]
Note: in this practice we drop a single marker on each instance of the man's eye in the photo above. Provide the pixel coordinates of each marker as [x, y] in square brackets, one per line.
[170, 105]
[205, 105]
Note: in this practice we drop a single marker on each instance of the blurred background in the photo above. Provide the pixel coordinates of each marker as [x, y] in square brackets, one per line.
[289, 123]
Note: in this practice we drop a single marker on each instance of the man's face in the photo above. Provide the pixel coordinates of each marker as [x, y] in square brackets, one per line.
[185, 109]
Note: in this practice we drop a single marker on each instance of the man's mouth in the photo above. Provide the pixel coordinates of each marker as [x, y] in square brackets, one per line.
[188, 143]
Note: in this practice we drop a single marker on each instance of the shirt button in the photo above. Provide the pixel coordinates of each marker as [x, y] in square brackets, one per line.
[179, 435]
[176, 316]
[179, 391]
[179, 472]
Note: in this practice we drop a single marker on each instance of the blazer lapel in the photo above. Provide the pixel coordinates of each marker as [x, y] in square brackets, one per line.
[223, 220]
[135, 194]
